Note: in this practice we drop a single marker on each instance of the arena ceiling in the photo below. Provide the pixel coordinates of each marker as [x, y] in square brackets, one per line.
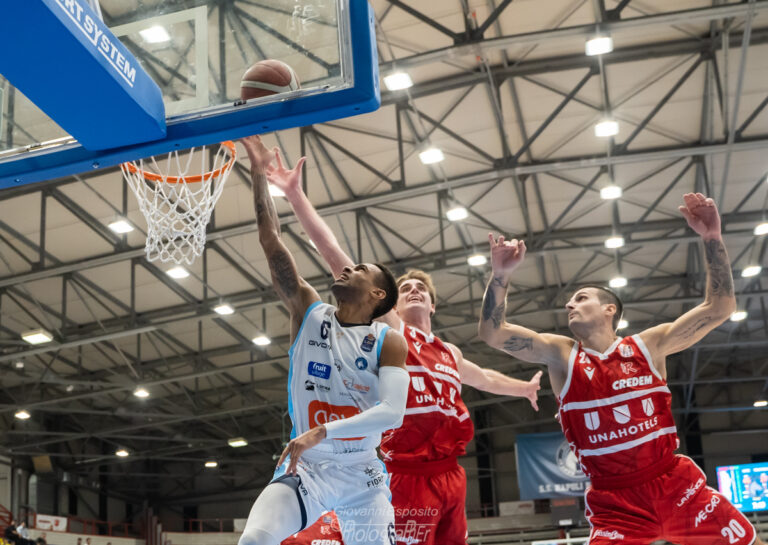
[505, 90]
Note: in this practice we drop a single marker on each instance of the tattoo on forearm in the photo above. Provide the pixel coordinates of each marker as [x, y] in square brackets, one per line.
[720, 278]
[266, 214]
[515, 344]
[489, 303]
[497, 316]
[496, 281]
[694, 328]
[493, 310]
[284, 272]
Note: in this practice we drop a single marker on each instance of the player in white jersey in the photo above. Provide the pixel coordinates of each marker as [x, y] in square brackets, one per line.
[347, 384]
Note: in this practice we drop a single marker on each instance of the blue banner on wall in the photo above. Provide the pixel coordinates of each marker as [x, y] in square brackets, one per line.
[546, 467]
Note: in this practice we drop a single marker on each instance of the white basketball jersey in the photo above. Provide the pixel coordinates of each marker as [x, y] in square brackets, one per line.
[334, 374]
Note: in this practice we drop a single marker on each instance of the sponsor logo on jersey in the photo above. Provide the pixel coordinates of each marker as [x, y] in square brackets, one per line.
[375, 477]
[312, 386]
[446, 357]
[368, 343]
[590, 371]
[621, 433]
[413, 332]
[626, 350]
[592, 420]
[326, 541]
[417, 346]
[621, 414]
[627, 368]
[631, 382]
[352, 385]
[648, 406]
[440, 368]
[438, 386]
[706, 511]
[319, 344]
[324, 329]
[418, 384]
[321, 413]
[610, 534]
[690, 492]
[453, 395]
[319, 370]
[361, 363]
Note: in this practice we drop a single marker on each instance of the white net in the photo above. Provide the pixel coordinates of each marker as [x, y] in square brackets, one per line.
[177, 199]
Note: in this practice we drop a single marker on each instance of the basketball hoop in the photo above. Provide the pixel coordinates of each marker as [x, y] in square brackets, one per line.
[178, 207]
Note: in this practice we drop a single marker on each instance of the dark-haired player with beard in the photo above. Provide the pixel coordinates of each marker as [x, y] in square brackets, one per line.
[615, 406]
[347, 384]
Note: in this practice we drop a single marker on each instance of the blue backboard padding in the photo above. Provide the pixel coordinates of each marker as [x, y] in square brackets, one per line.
[234, 123]
[65, 60]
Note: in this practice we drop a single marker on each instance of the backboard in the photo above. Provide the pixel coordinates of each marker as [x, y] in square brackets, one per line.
[197, 51]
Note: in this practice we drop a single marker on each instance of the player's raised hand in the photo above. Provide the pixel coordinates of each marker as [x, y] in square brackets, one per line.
[701, 214]
[296, 447]
[534, 385]
[257, 152]
[287, 180]
[506, 255]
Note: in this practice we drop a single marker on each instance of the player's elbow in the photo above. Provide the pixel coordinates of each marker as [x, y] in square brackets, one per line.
[488, 334]
[721, 308]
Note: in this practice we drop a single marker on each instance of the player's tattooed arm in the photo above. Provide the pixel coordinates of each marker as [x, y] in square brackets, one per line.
[516, 343]
[492, 310]
[720, 281]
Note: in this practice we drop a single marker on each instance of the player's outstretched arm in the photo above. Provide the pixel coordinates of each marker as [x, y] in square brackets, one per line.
[719, 300]
[521, 342]
[293, 290]
[493, 382]
[387, 414]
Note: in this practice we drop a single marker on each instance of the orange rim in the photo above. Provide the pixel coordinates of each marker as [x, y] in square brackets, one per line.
[133, 169]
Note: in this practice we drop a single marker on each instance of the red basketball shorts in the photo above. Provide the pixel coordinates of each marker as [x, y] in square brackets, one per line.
[325, 531]
[676, 506]
[429, 502]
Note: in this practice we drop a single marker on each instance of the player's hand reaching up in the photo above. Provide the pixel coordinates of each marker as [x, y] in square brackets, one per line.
[534, 385]
[257, 152]
[701, 214]
[296, 447]
[506, 255]
[284, 179]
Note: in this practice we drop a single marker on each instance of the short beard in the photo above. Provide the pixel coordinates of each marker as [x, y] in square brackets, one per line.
[343, 293]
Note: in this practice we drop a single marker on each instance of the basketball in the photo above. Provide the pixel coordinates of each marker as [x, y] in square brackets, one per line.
[268, 77]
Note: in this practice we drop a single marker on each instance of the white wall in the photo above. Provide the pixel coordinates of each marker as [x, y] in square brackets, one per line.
[65, 538]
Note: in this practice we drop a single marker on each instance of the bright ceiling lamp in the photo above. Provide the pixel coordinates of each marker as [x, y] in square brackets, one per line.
[237, 442]
[457, 213]
[122, 453]
[614, 242]
[431, 156]
[738, 315]
[261, 340]
[606, 128]
[224, 309]
[617, 282]
[761, 228]
[599, 45]
[155, 34]
[121, 227]
[623, 324]
[37, 336]
[751, 270]
[211, 463]
[22, 414]
[477, 260]
[610, 192]
[397, 81]
[141, 392]
[760, 403]
[177, 273]
[19, 364]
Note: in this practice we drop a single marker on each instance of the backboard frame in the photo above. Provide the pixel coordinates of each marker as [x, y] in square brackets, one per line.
[231, 123]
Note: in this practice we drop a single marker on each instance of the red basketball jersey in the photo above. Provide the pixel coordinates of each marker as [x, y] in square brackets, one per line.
[615, 410]
[436, 423]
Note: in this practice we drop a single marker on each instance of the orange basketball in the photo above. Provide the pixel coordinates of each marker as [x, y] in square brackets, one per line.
[266, 78]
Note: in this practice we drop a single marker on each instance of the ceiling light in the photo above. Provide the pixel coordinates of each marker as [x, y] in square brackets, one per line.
[610, 192]
[623, 324]
[614, 242]
[477, 260]
[738, 315]
[607, 127]
[22, 414]
[431, 155]
[237, 442]
[141, 392]
[261, 340]
[457, 213]
[312, 243]
[751, 270]
[37, 336]
[70, 388]
[761, 228]
[224, 309]
[155, 34]
[211, 463]
[121, 227]
[121, 452]
[177, 272]
[398, 81]
[19, 365]
[760, 403]
[275, 191]
[598, 45]
[617, 282]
